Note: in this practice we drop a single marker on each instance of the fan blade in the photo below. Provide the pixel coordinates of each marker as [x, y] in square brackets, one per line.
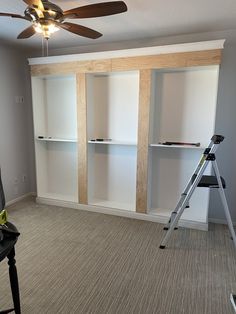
[96, 10]
[36, 4]
[28, 32]
[14, 15]
[79, 30]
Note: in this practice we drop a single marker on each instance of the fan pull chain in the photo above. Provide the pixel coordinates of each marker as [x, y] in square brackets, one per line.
[42, 46]
[46, 47]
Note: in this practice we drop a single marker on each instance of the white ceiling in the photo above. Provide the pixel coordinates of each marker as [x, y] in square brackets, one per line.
[144, 19]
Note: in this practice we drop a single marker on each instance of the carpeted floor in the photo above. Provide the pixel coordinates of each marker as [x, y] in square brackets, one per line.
[72, 261]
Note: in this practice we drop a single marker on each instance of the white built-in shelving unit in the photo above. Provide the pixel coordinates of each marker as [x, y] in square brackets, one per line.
[112, 114]
[133, 100]
[55, 127]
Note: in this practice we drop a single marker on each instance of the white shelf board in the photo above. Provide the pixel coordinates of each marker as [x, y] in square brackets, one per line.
[113, 143]
[177, 146]
[46, 139]
[160, 211]
[112, 204]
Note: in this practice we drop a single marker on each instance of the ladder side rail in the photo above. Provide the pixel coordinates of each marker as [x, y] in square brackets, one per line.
[199, 172]
[175, 211]
[185, 202]
[224, 201]
[211, 147]
[209, 150]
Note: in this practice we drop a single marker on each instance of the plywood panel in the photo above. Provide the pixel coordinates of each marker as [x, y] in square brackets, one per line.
[185, 105]
[171, 60]
[143, 135]
[112, 173]
[60, 96]
[39, 109]
[62, 170]
[82, 138]
[72, 67]
[171, 170]
[113, 106]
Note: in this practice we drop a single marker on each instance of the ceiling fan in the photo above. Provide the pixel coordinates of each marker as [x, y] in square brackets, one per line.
[47, 17]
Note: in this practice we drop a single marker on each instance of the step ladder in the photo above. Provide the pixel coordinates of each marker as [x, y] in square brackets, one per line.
[200, 180]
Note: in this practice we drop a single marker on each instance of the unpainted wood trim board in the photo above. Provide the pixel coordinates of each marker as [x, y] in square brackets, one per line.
[72, 67]
[82, 138]
[145, 81]
[161, 61]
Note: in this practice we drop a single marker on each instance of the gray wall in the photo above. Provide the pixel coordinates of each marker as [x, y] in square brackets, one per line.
[16, 155]
[226, 125]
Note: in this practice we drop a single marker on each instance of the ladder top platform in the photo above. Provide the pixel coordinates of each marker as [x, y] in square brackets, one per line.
[210, 182]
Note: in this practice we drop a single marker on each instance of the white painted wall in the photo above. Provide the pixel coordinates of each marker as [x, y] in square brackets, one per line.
[16, 154]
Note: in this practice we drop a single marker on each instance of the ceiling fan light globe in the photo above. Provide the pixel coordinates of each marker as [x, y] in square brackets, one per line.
[46, 28]
[52, 28]
[38, 28]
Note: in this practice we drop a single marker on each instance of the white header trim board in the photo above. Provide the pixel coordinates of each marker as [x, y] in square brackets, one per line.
[197, 46]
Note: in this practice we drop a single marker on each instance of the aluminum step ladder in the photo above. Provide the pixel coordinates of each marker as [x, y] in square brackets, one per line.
[200, 180]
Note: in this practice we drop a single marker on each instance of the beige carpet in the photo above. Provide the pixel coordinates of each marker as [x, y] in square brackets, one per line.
[72, 261]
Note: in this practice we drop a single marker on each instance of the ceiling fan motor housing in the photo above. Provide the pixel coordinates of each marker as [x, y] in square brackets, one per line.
[51, 12]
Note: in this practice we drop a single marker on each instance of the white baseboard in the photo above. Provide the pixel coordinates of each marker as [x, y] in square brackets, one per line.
[220, 221]
[20, 198]
[118, 212]
[122, 213]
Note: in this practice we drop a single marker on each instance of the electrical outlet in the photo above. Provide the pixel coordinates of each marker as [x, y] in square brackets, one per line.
[24, 178]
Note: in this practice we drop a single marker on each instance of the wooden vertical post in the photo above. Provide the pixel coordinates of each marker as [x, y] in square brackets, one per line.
[82, 138]
[143, 140]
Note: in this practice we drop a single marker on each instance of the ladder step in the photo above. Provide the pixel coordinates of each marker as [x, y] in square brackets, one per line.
[210, 182]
